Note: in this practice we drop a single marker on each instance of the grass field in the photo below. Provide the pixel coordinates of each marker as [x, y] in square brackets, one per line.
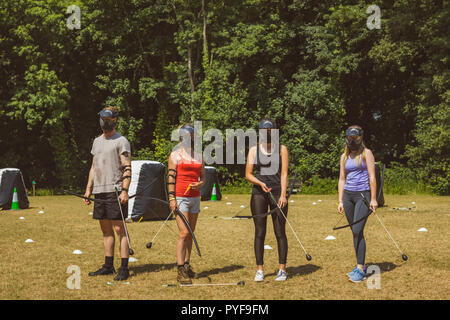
[38, 270]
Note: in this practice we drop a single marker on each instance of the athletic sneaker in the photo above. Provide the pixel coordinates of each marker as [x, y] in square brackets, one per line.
[281, 276]
[104, 270]
[357, 276]
[259, 276]
[123, 274]
[353, 271]
[183, 277]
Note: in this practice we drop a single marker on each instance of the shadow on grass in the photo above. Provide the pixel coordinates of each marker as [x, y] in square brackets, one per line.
[8, 210]
[206, 274]
[146, 268]
[384, 266]
[299, 270]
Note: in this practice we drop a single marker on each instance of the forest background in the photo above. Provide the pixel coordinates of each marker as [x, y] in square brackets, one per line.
[313, 66]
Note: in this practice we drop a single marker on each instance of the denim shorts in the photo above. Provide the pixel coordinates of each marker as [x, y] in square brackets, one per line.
[189, 204]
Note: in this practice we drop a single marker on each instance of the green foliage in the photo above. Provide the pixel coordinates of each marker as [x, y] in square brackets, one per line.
[403, 180]
[441, 184]
[42, 100]
[317, 185]
[312, 66]
[237, 186]
[144, 154]
[42, 192]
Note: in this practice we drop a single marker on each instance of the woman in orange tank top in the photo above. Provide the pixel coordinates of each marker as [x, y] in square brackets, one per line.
[186, 176]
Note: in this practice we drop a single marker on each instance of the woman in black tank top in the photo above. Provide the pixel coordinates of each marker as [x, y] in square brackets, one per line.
[269, 160]
[272, 181]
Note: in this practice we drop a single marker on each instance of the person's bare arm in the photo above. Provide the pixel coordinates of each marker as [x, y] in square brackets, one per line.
[341, 184]
[282, 202]
[249, 170]
[370, 162]
[125, 159]
[90, 184]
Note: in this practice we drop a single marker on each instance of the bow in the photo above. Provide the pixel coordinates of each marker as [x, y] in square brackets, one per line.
[370, 211]
[188, 226]
[262, 215]
[178, 212]
[105, 201]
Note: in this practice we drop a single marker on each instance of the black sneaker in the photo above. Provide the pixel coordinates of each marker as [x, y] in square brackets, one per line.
[123, 274]
[104, 270]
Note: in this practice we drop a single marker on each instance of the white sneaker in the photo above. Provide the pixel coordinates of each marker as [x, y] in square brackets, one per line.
[281, 276]
[259, 276]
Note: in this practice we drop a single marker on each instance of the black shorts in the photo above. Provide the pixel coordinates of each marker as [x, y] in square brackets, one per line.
[109, 210]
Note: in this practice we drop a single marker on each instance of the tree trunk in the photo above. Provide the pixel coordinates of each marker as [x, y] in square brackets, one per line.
[191, 79]
[205, 43]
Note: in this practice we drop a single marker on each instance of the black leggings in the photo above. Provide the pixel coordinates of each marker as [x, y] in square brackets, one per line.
[259, 204]
[356, 209]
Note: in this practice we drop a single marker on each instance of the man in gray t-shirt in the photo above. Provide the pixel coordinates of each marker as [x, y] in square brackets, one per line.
[111, 169]
[107, 163]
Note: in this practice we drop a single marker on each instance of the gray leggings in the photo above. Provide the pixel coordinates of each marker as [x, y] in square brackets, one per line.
[355, 209]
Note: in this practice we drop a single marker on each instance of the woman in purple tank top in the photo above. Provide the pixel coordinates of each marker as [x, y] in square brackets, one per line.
[357, 175]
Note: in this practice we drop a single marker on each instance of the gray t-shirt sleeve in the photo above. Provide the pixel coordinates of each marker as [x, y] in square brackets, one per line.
[93, 150]
[124, 146]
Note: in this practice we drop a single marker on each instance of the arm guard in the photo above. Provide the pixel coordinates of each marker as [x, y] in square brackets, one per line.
[125, 168]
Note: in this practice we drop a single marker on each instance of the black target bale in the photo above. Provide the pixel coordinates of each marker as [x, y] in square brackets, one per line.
[11, 178]
[143, 173]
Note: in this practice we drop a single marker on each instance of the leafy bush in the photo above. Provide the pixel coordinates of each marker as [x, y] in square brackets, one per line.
[42, 192]
[236, 186]
[144, 154]
[441, 185]
[317, 185]
[403, 180]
